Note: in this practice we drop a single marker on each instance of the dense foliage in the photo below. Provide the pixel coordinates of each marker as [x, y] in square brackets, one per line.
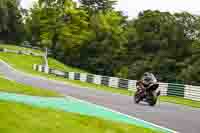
[11, 22]
[94, 36]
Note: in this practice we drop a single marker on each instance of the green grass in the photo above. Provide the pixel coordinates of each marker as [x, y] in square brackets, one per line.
[13, 87]
[178, 100]
[26, 66]
[25, 63]
[59, 66]
[14, 47]
[20, 118]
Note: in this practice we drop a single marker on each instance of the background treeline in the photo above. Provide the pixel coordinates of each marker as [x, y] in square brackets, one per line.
[96, 37]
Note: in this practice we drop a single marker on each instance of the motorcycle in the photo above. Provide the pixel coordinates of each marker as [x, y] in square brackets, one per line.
[146, 93]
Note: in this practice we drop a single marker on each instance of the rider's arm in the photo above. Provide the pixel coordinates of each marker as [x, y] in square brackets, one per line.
[154, 80]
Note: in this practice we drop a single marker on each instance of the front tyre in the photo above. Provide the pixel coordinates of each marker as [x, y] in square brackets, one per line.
[137, 98]
[153, 99]
[153, 102]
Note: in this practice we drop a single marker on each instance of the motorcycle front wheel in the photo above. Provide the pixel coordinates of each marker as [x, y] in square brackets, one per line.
[137, 98]
[152, 100]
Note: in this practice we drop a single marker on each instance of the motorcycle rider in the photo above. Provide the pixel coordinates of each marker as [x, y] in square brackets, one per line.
[148, 80]
[146, 89]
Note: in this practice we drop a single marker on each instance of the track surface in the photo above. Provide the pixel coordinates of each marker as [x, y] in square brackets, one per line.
[180, 118]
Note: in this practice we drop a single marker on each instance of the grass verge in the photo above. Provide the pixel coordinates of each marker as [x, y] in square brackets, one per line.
[20, 118]
[13, 87]
[182, 101]
[14, 47]
[25, 62]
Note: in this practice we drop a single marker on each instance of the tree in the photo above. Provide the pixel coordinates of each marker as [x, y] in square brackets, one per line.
[11, 22]
[58, 27]
[101, 53]
[97, 5]
[158, 33]
[190, 24]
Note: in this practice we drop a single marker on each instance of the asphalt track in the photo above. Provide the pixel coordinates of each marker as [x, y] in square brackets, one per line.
[176, 117]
